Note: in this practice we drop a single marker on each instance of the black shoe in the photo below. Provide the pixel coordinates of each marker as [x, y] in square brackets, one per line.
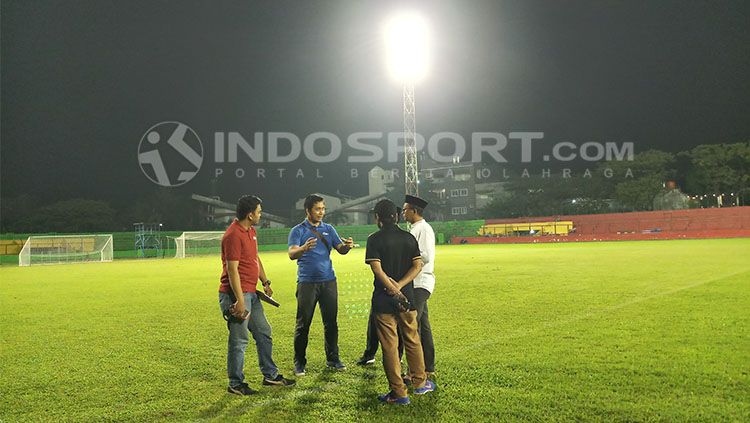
[366, 361]
[299, 369]
[278, 381]
[336, 365]
[241, 389]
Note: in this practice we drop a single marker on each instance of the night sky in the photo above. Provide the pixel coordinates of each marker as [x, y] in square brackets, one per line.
[83, 80]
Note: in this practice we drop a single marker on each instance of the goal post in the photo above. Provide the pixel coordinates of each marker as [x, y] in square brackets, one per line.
[58, 249]
[196, 243]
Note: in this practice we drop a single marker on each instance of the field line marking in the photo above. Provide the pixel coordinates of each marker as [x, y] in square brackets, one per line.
[574, 318]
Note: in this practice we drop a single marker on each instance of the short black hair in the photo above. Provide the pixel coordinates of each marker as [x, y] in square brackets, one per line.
[310, 201]
[386, 211]
[418, 210]
[247, 204]
[387, 219]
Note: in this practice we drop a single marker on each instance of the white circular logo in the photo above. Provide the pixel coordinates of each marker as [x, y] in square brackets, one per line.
[170, 154]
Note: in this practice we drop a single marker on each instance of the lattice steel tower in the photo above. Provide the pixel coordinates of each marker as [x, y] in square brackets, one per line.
[411, 169]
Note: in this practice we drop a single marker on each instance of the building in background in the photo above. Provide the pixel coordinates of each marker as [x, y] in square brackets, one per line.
[450, 188]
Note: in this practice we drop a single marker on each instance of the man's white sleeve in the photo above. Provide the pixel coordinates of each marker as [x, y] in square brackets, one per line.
[428, 249]
[426, 240]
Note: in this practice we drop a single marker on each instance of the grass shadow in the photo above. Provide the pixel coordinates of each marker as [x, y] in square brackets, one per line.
[216, 409]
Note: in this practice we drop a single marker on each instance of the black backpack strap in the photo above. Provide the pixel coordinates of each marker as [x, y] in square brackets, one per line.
[320, 237]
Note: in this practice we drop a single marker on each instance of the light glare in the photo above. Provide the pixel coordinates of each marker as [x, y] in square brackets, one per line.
[407, 47]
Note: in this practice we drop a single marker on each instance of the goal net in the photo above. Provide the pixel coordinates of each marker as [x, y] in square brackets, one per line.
[191, 244]
[56, 249]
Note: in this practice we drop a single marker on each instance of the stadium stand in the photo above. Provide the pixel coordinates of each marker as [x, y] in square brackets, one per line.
[729, 222]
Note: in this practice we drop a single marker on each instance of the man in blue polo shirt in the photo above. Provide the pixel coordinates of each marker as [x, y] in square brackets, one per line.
[310, 243]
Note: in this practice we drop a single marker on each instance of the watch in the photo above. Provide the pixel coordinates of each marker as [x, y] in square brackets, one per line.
[267, 282]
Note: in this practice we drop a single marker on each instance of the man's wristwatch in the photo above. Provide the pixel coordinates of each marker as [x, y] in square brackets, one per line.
[267, 282]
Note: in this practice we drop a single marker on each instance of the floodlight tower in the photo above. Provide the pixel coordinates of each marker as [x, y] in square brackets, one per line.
[407, 49]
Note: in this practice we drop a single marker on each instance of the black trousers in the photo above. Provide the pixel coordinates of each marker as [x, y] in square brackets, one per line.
[421, 296]
[308, 295]
[425, 331]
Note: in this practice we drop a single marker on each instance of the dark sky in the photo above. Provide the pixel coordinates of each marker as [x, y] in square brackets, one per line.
[83, 80]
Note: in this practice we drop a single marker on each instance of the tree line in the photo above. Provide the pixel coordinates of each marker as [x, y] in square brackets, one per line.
[27, 214]
[703, 173]
[707, 174]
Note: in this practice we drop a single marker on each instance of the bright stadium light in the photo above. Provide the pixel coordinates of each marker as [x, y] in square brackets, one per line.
[407, 47]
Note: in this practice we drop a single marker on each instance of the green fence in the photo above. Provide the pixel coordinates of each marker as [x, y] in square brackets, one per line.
[269, 239]
[443, 231]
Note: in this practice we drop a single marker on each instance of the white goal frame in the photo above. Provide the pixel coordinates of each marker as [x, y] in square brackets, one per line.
[182, 243]
[60, 249]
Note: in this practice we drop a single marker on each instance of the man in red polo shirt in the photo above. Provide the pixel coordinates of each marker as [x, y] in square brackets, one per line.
[239, 302]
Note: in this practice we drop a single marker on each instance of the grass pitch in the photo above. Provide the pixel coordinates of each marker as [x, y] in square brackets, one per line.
[593, 331]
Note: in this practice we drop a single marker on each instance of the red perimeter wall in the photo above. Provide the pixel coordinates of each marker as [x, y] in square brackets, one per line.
[728, 222]
[673, 220]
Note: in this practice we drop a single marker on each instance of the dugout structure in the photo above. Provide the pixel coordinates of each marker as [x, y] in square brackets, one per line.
[59, 249]
[191, 244]
[526, 228]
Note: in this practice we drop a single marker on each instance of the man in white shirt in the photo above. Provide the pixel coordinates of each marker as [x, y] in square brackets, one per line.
[424, 283]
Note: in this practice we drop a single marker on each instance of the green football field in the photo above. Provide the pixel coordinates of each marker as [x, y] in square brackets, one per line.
[626, 331]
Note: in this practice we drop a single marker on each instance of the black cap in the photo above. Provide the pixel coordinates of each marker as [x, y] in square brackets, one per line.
[415, 201]
[385, 208]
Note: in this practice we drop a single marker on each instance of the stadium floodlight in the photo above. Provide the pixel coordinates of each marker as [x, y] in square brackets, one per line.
[407, 46]
[59, 249]
[194, 243]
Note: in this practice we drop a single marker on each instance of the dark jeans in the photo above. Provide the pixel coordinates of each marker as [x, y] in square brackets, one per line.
[308, 295]
[425, 331]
